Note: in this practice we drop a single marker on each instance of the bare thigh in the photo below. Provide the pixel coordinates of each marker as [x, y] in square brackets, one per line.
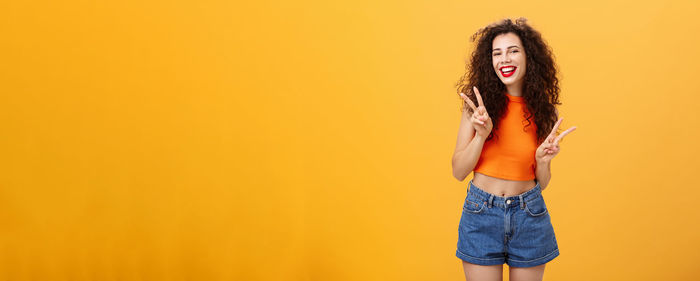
[475, 272]
[534, 273]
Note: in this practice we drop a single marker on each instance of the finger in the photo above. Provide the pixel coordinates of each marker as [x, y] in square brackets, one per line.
[561, 136]
[549, 139]
[477, 120]
[477, 117]
[478, 96]
[556, 127]
[469, 101]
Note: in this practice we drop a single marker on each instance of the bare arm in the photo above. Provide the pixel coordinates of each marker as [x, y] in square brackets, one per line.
[543, 173]
[546, 152]
[473, 131]
[468, 149]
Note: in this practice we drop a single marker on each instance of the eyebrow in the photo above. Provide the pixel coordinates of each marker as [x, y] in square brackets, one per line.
[498, 49]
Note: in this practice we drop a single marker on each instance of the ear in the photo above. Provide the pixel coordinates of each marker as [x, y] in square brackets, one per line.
[557, 112]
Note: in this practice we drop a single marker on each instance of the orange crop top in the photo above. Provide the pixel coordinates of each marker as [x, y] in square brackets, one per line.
[511, 154]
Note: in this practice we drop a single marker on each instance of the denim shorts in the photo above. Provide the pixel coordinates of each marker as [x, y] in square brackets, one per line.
[516, 230]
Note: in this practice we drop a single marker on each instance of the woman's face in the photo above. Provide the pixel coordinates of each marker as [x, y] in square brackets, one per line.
[508, 56]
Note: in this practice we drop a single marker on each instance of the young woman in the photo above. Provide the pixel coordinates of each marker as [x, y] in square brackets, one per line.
[508, 137]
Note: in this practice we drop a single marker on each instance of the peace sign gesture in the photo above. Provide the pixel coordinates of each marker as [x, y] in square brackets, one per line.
[481, 122]
[550, 147]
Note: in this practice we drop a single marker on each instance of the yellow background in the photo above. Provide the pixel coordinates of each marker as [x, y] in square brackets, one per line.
[308, 140]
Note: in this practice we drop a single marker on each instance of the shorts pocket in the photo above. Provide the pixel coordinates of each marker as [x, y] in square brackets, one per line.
[472, 205]
[536, 207]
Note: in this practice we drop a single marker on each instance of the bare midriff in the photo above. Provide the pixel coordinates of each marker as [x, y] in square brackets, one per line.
[502, 187]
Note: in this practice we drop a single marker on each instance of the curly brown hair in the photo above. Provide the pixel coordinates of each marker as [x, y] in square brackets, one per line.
[540, 85]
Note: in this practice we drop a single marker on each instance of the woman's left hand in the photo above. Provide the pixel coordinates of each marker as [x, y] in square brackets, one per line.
[550, 147]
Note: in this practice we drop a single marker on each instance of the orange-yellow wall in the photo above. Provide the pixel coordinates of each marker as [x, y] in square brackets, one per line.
[311, 140]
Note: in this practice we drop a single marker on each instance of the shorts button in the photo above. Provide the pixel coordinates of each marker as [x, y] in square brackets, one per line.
[508, 201]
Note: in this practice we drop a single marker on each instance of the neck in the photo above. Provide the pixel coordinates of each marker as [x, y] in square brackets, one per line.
[515, 90]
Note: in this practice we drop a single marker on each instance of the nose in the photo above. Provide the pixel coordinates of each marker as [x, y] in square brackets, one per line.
[506, 58]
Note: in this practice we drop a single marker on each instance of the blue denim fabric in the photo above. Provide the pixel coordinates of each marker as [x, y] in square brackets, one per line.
[516, 230]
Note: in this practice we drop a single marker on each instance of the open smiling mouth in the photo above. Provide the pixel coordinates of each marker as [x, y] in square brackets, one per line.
[507, 71]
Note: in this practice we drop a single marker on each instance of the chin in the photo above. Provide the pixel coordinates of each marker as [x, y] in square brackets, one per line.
[509, 82]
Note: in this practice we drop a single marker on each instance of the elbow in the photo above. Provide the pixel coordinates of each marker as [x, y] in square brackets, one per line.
[543, 185]
[455, 172]
[460, 175]
[459, 171]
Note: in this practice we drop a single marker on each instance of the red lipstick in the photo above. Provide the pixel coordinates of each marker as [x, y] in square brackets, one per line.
[507, 74]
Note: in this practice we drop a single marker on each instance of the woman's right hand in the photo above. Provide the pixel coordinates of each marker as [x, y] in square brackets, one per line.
[480, 118]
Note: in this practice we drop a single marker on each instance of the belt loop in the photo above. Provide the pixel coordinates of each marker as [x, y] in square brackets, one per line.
[522, 202]
[491, 200]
